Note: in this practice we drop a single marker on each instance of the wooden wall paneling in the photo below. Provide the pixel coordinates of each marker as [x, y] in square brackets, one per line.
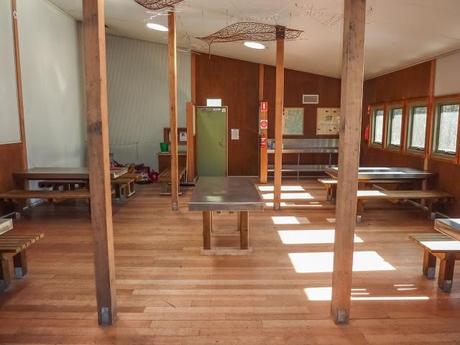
[98, 158]
[17, 61]
[350, 135]
[236, 83]
[279, 123]
[263, 132]
[191, 156]
[172, 77]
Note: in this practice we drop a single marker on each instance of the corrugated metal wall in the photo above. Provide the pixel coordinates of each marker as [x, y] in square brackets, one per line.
[138, 97]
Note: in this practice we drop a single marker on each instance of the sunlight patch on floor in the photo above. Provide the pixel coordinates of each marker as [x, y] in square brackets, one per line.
[323, 262]
[289, 196]
[266, 188]
[320, 294]
[309, 236]
[289, 220]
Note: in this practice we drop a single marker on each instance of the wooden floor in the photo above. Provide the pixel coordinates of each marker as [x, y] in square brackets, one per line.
[170, 294]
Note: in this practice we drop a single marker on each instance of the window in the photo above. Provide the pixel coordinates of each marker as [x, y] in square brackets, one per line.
[417, 127]
[377, 126]
[394, 136]
[446, 129]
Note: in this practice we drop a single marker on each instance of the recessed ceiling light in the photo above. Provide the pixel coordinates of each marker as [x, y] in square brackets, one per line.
[254, 45]
[157, 27]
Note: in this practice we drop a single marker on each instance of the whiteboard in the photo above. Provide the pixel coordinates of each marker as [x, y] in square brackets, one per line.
[9, 114]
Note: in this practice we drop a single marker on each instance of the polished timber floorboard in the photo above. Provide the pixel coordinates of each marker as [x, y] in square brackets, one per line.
[168, 293]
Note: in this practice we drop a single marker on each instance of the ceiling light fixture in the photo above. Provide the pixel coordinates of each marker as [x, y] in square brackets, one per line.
[254, 45]
[157, 27]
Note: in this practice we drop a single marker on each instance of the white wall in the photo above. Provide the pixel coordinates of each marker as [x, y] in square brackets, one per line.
[52, 85]
[447, 79]
[9, 115]
[138, 97]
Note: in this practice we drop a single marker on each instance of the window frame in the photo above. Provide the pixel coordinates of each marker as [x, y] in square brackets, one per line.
[434, 153]
[387, 134]
[374, 109]
[409, 126]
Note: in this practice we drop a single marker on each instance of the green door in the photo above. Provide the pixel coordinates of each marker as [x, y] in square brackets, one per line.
[211, 141]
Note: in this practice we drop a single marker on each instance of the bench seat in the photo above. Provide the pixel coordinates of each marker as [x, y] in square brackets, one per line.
[442, 247]
[331, 187]
[432, 197]
[19, 194]
[13, 257]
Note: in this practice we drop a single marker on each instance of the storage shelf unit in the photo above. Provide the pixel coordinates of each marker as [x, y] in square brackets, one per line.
[307, 146]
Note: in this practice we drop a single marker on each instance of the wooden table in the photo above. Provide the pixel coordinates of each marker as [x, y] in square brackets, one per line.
[67, 174]
[237, 194]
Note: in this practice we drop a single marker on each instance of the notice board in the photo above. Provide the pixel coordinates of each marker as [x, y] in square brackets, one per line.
[328, 121]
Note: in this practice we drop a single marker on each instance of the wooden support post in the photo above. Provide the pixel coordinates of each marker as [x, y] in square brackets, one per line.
[430, 117]
[350, 134]
[263, 131]
[20, 97]
[98, 158]
[190, 108]
[279, 104]
[172, 64]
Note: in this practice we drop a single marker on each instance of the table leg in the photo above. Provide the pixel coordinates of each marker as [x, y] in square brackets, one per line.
[6, 272]
[429, 265]
[243, 227]
[207, 228]
[446, 273]
[20, 264]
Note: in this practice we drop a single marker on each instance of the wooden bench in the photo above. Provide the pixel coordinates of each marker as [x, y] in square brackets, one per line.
[165, 180]
[136, 176]
[124, 187]
[63, 184]
[331, 187]
[432, 197]
[13, 256]
[442, 247]
[19, 197]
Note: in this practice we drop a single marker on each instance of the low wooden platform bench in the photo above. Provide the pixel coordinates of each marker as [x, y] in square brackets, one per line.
[442, 247]
[165, 180]
[19, 197]
[124, 187]
[331, 187]
[13, 258]
[432, 197]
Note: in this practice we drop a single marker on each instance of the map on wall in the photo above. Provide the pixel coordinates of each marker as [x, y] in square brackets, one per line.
[293, 121]
[328, 121]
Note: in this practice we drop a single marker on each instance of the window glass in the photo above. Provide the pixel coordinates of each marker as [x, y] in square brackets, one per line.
[447, 126]
[377, 137]
[418, 117]
[395, 126]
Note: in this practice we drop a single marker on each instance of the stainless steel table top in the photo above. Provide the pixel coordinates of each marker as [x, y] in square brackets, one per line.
[385, 173]
[225, 193]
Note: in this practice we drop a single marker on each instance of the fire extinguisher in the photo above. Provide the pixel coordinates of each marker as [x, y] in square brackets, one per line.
[367, 133]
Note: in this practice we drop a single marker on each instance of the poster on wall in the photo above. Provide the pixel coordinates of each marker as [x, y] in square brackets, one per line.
[293, 121]
[328, 121]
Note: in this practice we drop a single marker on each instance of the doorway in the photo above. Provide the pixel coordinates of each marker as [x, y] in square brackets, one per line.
[211, 141]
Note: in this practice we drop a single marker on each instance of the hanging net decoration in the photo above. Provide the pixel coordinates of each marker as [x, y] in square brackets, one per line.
[155, 5]
[251, 31]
